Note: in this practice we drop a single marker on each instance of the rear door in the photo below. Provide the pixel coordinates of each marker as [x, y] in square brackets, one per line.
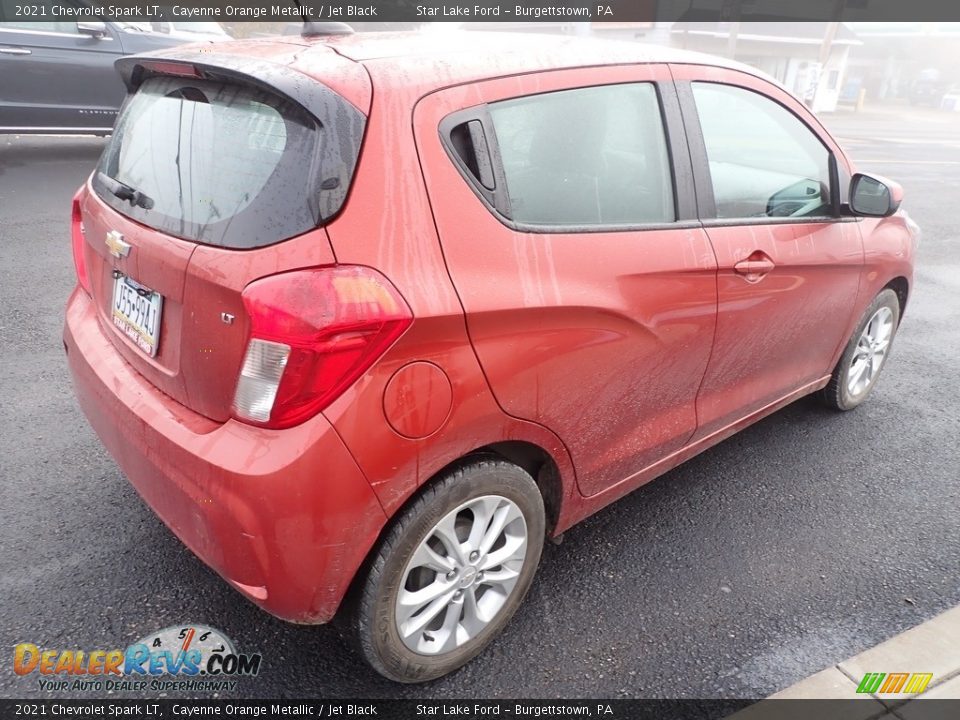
[564, 206]
[769, 184]
[57, 78]
[213, 178]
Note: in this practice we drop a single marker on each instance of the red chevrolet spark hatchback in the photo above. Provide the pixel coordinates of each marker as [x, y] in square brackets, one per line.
[366, 318]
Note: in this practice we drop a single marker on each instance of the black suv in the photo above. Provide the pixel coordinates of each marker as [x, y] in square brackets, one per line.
[58, 77]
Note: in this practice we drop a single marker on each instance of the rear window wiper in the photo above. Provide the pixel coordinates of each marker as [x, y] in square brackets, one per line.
[126, 192]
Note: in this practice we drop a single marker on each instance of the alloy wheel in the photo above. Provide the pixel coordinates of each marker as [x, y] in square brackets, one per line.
[870, 353]
[461, 575]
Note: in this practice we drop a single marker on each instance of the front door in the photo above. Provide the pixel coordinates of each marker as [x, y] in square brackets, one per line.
[56, 78]
[788, 266]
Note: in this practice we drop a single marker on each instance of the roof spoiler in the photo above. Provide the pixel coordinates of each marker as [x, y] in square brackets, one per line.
[315, 97]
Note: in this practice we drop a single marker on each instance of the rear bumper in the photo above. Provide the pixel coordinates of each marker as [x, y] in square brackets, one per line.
[285, 516]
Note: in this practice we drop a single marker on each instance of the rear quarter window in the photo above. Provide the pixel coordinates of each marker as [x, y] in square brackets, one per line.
[587, 157]
[217, 163]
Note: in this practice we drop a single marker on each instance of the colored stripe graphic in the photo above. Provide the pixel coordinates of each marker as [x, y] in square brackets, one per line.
[892, 683]
[871, 682]
[918, 682]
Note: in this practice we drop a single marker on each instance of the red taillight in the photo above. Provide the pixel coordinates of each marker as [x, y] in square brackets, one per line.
[77, 241]
[312, 334]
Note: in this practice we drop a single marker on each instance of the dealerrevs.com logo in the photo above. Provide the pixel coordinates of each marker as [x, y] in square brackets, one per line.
[190, 658]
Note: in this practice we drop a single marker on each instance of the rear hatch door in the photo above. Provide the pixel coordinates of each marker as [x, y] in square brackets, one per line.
[222, 169]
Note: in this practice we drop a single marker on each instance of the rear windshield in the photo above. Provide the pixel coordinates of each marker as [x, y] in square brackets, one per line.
[214, 162]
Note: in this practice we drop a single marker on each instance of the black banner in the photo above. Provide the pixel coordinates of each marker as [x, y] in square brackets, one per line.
[564, 11]
[478, 709]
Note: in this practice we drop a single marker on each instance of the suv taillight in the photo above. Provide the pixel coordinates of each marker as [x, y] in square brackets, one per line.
[312, 334]
[77, 241]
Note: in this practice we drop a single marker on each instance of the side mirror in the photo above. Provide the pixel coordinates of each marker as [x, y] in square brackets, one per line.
[93, 28]
[874, 196]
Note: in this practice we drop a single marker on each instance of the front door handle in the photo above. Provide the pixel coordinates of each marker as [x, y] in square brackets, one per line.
[755, 267]
[14, 51]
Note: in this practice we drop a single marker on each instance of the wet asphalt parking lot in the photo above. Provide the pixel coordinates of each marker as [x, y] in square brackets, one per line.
[801, 541]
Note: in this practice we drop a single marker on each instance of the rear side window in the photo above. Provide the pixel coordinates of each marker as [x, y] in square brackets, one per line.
[764, 162]
[214, 162]
[592, 156]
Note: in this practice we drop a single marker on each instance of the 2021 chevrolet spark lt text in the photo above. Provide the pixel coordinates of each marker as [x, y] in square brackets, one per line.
[364, 319]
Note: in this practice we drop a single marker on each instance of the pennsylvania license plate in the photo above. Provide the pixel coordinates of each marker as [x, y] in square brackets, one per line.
[137, 311]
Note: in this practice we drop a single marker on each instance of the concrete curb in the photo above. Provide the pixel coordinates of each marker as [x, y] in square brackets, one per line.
[933, 647]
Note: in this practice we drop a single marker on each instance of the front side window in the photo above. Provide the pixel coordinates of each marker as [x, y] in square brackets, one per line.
[62, 27]
[20, 16]
[764, 162]
[592, 156]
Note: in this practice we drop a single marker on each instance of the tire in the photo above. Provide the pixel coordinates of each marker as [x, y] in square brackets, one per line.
[866, 353]
[458, 510]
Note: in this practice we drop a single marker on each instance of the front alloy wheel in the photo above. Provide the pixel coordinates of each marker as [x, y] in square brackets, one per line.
[856, 373]
[451, 572]
[870, 352]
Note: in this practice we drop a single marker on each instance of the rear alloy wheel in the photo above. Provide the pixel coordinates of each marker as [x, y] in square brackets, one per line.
[451, 572]
[865, 355]
[461, 575]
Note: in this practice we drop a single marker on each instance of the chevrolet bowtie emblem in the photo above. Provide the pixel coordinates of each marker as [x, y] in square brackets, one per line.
[116, 244]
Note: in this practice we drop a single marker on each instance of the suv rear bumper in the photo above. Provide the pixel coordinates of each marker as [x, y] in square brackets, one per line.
[285, 516]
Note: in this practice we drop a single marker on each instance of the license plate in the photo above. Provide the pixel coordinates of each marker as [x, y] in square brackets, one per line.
[136, 311]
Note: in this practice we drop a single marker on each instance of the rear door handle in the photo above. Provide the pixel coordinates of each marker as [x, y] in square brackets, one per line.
[754, 267]
[14, 51]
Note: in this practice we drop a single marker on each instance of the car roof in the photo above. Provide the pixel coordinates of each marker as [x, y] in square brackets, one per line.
[461, 56]
[454, 44]
[426, 61]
